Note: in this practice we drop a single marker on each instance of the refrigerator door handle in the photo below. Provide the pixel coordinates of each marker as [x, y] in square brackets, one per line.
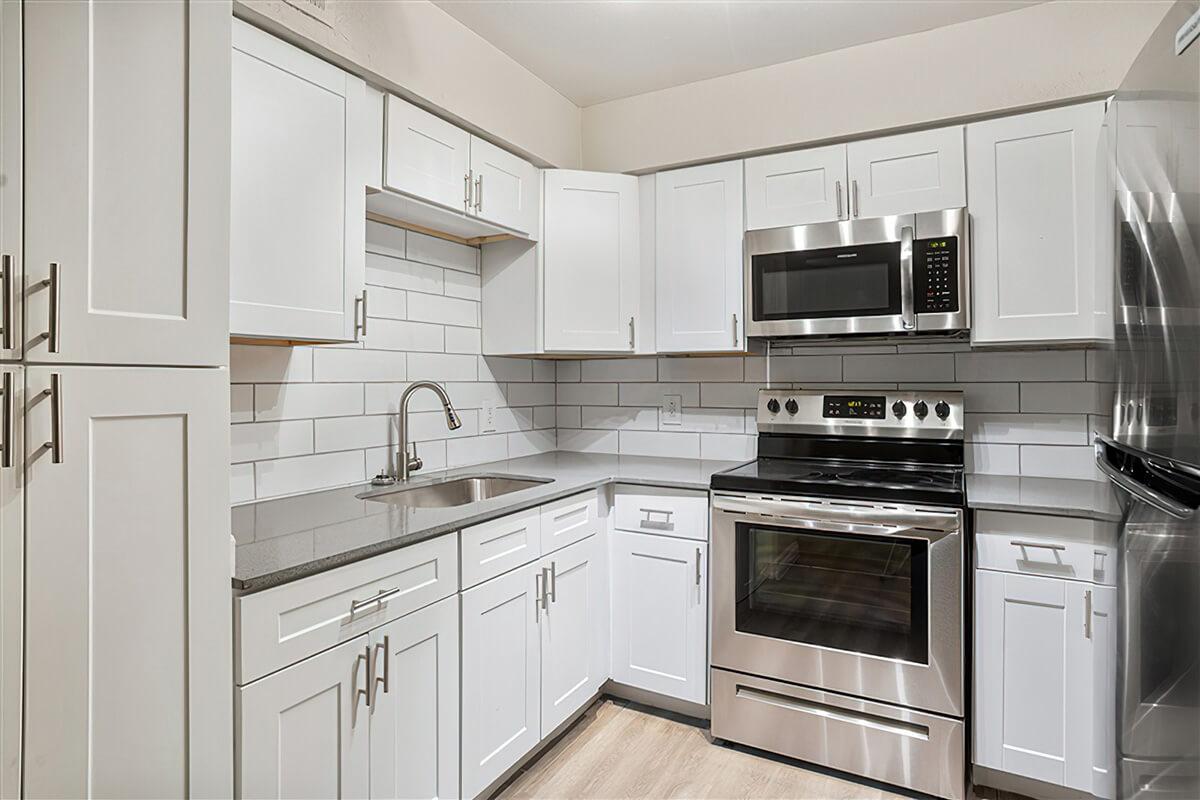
[1145, 493]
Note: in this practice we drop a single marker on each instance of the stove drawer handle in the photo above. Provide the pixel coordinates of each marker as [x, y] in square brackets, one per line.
[811, 514]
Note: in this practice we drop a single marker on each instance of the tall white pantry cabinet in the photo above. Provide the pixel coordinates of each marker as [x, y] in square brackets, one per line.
[114, 313]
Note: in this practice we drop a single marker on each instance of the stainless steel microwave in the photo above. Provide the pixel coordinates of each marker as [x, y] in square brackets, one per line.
[905, 274]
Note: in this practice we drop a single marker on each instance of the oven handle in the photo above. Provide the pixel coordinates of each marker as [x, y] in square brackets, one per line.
[800, 514]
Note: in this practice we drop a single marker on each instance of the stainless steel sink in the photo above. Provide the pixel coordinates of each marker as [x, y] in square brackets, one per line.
[454, 491]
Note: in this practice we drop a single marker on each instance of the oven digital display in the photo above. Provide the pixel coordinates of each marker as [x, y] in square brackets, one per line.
[853, 407]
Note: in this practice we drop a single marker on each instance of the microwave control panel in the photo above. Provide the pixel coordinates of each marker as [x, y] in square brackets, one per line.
[935, 274]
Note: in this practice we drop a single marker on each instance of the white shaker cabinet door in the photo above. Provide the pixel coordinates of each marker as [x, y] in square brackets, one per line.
[425, 156]
[796, 188]
[304, 731]
[698, 264]
[506, 187]
[501, 676]
[1032, 180]
[414, 705]
[12, 541]
[11, 195]
[573, 627]
[1104, 691]
[127, 182]
[128, 609]
[590, 261]
[908, 173]
[659, 625]
[298, 195]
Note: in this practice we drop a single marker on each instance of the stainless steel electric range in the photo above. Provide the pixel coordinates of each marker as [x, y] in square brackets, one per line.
[838, 564]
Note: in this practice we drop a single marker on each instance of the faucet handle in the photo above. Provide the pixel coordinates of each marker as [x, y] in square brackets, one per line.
[414, 462]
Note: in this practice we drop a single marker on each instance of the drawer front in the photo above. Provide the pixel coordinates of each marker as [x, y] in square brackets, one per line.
[493, 548]
[674, 512]
[280, 626]
[569, 520]
[1036, 544]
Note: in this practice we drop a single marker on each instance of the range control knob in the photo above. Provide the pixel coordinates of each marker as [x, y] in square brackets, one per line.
[791, 406]
[773, 406]
[942, 409]
[899, 409]
[920, 409]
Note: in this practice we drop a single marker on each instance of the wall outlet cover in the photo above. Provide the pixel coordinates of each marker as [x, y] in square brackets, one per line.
[672, 409]
[487, 416]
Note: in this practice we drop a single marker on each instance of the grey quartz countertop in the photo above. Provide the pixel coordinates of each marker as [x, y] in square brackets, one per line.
[289, 538]
[1058, 496]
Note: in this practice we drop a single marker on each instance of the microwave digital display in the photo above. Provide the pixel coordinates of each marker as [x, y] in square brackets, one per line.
[853, 407]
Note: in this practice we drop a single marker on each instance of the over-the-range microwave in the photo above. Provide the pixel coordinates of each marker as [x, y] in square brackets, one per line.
[904, 274]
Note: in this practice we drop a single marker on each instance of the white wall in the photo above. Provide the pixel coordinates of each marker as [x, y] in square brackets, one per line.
[1045, 54]
[413, 48]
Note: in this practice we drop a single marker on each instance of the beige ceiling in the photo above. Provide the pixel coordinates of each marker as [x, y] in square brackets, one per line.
[597, 50]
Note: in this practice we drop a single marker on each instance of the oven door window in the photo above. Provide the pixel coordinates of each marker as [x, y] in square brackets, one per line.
[861, 281]
[861, 594]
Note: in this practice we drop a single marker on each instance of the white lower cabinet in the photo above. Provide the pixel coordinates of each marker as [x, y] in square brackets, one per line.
[659, 614]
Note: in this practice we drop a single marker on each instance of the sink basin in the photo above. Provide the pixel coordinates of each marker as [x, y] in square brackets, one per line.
[454, 492]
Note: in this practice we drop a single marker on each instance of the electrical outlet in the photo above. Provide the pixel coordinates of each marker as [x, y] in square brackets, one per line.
[487, 416]
[672, 409]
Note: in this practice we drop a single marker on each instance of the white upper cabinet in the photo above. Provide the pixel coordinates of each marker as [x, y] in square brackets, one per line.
[796, 188]
[590, 261]
[907, 174]
[1037, 265]
[127, 182]
[425, 156]
[698, 262]
[504, 187]
[298, 208]
[10, 185]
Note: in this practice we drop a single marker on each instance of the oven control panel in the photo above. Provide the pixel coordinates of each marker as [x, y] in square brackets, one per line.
[935, 275]
[915, 415]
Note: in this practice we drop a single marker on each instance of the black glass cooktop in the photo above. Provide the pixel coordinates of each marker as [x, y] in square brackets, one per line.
[862, 480]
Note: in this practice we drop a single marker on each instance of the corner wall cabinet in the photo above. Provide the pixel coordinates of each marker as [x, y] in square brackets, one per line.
[298, 203]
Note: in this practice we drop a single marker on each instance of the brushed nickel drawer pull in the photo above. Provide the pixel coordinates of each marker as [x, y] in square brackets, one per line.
[1043, 545]
[384, 594]
[52, 284]
[664, 524]
[56, 433]
[6, 318]
[6, 454]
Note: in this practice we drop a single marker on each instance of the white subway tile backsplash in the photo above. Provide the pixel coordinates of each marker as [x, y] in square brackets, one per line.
[1027, 428]
[390, 334]
[568, 371]
[619, 418]
[981, 397]
[1040, 365]
[526, 443]
[365, 366]
[476, 450]
[585, 441]
[255, 441]
[505, 370]
[385, 239]
[823, 368]
[444, 310]
[568, 417]
[729, 368]
[651, 394]
[659, 443]
[1067, 398]
[386, 304]
[278, 401]
[384, 398]
[462, 284]
[545, 417]
[727, 447]
[442, 367]
[908, 367]
[396, 273]
[710, 420]
[531, 394]
[354, 433]
[1101, 366]
[729, 395]
[543, 371]
[473, 395]
[270, 364]
[442, 253]
[596, 394]
[306, 473]
[241, 403]
[241, 483]
[463, 340]
[993, 459]
[620, 369]
[1043, 461]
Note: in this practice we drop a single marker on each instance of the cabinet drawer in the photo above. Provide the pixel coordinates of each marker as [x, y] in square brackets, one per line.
[1036, 544]
[280, 626]
[568, 520]
[492, 548]
[674, 512]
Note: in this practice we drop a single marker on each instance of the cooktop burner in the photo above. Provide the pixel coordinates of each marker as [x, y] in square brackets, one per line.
[925, 483]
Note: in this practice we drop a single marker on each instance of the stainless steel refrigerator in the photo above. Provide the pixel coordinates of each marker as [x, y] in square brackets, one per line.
[1153, 453]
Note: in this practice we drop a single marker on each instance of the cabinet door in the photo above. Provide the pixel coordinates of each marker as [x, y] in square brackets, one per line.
[659, 628]
[698, 263]
[303, 731]
[1033, 678]
[796, 188]
[298, 203]
[506, 187]
[414, 705]
[574, 661]
[425, 156]
[1032, 183]
[1104, 694]
[127, 596]
[501, 676]
[906, 174]
[127, 182]
[12, 542]
[590, 261]
[10, 185]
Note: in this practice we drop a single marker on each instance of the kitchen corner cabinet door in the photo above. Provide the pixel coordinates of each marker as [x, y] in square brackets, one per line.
[1032, 180]
[414, 705]
[1033, 678]
[908, 173]
[1104, 699]
[574, 661]
[659, 624]
[501, 676]
[426, 157]
[127, 182]
[305, 731]
[796, 188]
[590, 261]
[11, 194]
[12, 542]
[506, 187]
[128, 609]
[298, 200]
[698, 263]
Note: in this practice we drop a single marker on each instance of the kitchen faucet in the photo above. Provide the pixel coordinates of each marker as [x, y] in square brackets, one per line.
[411, 464]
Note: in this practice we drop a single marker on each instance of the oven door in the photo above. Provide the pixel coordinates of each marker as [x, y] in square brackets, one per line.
[855, 598]
[832, 278]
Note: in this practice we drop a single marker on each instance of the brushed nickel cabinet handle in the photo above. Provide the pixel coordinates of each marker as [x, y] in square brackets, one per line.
[735, 329]
[360, 315]
[467, 190]
[365, 657]
[539, 588]
[52, 284]
[479, 194]
[1044, 545]
[631, 345]
[837, 194]
[384, 594]
[664, 524]
[1087, 614]
[56, 434]
[854, 196]
[6, 455]
[385, 646]
[553, 592]
[6, 316]
[697, 566]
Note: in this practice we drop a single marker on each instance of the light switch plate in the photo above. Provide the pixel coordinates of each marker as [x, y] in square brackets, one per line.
[487, 416]
[672, 409]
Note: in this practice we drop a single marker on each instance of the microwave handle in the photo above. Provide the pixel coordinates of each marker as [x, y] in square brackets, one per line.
[908, 316]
